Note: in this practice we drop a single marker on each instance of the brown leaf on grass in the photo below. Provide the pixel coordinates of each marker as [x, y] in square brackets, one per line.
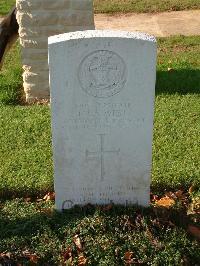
[82, 261]
[179, 194]
[39, 200]
[129, 260]
[49, 196]
[77, 242]
[27, 199]
[194, 207]
[191, 189]
[5, 258]
[47, 211]
[165, 202]
[128, 256]
[5, 254]
[67, 255]
[195, 231]
[154, 241]
[117, 251]
[154, 198]
[127, 222]
[33, 258]
[171, 195]
[159, 223]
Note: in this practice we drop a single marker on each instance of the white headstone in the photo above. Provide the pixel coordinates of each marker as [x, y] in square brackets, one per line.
[102, 93]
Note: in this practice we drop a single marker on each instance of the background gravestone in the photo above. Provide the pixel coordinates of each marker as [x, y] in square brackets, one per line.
[39, 19]
[102, 92]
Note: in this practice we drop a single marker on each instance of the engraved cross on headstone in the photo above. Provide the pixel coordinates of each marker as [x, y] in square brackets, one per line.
[100, 155]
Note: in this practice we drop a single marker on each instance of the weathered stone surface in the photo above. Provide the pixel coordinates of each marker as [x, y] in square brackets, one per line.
[102, 94]
[39, 19]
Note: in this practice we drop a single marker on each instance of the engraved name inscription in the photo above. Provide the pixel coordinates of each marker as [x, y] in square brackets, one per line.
[100, 115]
[123, 193]
[102, 74]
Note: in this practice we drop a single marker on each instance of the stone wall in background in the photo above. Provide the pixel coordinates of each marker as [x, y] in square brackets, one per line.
[39, 19]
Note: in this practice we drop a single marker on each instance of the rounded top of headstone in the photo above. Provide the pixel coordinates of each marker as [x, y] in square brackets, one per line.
[100, 34]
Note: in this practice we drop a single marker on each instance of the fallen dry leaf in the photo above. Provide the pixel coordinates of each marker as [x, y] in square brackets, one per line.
[48, 211]
[27, 199]
[191, 189]
[5, 255]
[5, 258]
[179, 194]
[195, 231]
[128, 257]
[117, 251]
[39, 200]
[165, 202]
[171, 195]
[67, 255]
[82, 260]
[194, 207]
[49, 196]
[33, 258]
[154, 197]
[77, 242]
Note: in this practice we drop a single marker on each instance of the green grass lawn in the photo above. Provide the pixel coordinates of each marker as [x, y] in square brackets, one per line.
[6, 5]
[33, 232]
[110, 6]
[11, 78]
[146, 6]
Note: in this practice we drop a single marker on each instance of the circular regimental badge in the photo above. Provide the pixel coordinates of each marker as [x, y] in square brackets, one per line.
[102, 74]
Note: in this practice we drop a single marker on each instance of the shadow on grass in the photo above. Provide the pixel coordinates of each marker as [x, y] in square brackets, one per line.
[168, 82]
[178, 81]
[29, 226]
[32, 230]
[33, 193]
[11, 88]
[26, 226]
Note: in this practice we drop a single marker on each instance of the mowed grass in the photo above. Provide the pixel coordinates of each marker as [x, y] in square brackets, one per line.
[6, 5]
[32, 233]
[177, 113]
[144, 6]
[111, 6]
[25, 136]
[26, 157]
[11, 91]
